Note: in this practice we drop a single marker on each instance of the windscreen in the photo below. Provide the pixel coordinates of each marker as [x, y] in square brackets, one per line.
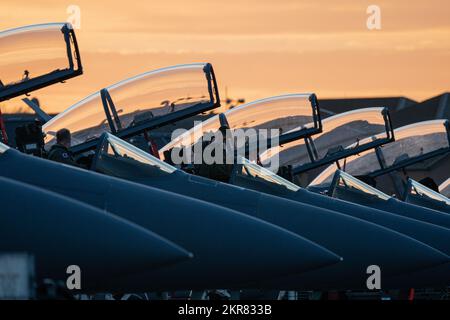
[411, 142]
[253, 170]
[3, 148]
[415, 188]
[338, 131]
[444, 188]
[135, 100]
[288, 113]
[345, 182]
[28, 54]
[120, 148]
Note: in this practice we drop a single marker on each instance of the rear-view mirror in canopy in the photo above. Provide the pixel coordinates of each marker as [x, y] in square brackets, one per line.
[413, 144]
[132, 106]
[37, 56]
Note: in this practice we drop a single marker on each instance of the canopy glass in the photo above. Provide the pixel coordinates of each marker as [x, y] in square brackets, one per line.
[338, 131]
[253, 170]
[118, 148]
[36, 56]
[413, 143]
[133, 105]
[444, 188]
[342, 182]
[417, 189]
[292, 115]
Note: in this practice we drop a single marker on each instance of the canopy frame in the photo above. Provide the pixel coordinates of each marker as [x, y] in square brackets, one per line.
[10, 91]
[335, 157]
[153, 123]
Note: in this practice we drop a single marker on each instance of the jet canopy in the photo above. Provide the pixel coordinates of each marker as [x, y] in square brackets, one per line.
[294, 116]
[138, 104]
[346, 186]
[338, 131]
[116, 148]
[252, 169]
[416, 189]
[444, 188]
[414, 143]
[37, 56]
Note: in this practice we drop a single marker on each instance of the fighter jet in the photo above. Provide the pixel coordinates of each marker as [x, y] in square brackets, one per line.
[172, 101]
[128, 121]
[423, 196]
[119, 158]
[127, 115]
[348, 188]
[60, 232]
[252, 176]
[219, 238]
[112, 150]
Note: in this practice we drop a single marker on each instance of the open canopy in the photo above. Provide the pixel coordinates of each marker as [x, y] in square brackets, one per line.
[36, 56]
[415, 189]
[137, 104]
[413, 143]
[294, 116]
[338, 131]
[444, 188]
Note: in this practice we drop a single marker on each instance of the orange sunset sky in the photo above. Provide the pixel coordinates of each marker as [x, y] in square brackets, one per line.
[259, 48]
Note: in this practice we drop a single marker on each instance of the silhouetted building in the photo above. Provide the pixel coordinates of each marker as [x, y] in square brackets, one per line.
[434, 108]
[333, 106]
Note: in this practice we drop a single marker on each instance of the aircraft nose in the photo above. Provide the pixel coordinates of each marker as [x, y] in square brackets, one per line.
[230, 248]
[132, 247]
[285, 252]
[60, 232]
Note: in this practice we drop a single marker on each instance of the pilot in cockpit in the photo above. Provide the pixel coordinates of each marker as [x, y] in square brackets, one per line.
[60, 152]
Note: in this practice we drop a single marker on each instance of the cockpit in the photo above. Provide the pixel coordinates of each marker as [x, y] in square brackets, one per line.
[417, 143]
[36, 56]
[135, 105]
[416, 190]
[117, 157]
[346, 187]
[293, 116]
[329, 145]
